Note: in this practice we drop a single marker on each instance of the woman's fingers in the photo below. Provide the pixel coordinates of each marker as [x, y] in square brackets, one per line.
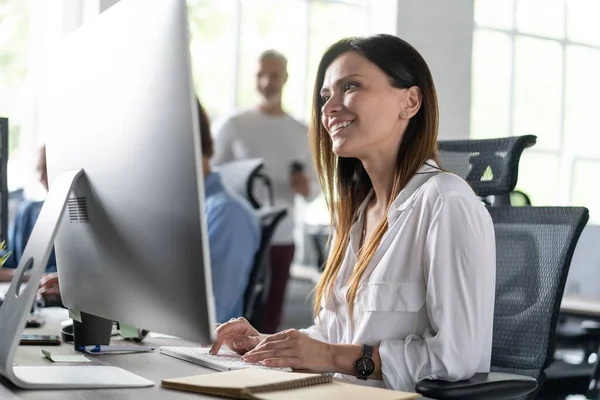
[279, 344]
[285, 347]
[274, 353]
[286, 362]
[245, 343]
[280, 336]
[276, 341]
[228, 331]
[222, 332]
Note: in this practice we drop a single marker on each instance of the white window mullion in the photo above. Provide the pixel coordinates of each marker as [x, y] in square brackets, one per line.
[305, 76]
[566, 158]
[236, 54]
[513, 66]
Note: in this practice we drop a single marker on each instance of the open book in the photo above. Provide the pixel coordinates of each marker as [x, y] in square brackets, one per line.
[264, 384]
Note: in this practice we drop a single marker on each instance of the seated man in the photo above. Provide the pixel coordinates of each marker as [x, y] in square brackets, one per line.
[21, 228]
[233, 236]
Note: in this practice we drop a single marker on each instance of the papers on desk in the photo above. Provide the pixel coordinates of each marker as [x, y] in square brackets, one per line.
[267, 384]
[66, 358]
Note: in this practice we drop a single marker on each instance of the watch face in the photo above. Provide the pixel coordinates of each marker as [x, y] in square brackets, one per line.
[365, 366]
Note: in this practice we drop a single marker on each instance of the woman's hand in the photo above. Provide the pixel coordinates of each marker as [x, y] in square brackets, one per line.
[293, 349]
[238, 335]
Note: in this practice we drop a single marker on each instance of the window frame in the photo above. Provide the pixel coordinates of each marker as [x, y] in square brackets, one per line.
[566, 157]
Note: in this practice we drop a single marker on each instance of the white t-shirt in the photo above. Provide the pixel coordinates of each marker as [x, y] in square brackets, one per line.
[279, 140]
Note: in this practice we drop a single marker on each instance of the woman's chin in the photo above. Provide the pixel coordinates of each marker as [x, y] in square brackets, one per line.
[341, 149]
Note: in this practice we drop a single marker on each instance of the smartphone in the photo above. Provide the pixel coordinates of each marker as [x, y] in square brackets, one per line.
[35, 321]
[296, 167]
[40, 340]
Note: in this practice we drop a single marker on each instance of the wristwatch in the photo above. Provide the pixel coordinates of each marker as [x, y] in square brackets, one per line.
[365, 365]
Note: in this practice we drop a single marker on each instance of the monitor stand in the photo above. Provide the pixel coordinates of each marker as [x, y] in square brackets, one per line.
[19, 298]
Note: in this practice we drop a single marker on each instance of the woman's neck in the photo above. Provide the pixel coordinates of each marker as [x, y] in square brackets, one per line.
[381, 169]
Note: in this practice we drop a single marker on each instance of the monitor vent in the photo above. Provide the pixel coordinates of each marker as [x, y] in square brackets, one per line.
[78, 211]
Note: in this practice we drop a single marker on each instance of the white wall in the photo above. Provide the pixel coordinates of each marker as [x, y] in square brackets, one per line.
[442, 31]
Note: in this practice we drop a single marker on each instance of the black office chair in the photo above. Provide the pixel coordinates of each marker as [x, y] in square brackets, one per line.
[242, 177]
[534, 247]
[255, 297]
[490, 166]
[565, 378]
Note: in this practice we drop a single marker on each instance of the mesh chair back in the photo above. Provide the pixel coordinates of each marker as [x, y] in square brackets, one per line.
[256, 293]
[534, 247]
[490, 166]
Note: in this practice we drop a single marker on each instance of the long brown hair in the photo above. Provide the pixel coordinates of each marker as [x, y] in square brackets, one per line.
[206, 141]
[344, 180]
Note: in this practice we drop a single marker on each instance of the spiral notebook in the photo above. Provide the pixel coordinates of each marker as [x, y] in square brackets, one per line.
[263, 384]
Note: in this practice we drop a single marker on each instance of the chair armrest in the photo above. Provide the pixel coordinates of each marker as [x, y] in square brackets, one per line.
[591, 327]
[495, 385]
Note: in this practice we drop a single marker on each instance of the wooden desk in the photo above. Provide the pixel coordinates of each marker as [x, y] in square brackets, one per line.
[580, 306]
[153, 366]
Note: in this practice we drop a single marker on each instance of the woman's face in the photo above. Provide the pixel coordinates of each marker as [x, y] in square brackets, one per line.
[361, 111]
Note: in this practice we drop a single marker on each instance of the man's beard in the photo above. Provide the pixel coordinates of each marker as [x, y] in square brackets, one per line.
[271, 100]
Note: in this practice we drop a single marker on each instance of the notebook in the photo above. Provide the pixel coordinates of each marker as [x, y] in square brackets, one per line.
[263, 384]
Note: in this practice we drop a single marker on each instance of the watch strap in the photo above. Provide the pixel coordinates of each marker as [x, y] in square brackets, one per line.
[367, 351]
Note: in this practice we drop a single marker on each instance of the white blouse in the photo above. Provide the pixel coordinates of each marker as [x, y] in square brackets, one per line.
[427, 296]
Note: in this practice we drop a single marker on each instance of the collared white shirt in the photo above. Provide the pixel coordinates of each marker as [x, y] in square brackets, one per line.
[427, 296]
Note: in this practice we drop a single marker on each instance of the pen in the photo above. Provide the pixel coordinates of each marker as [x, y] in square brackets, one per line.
[108, 349]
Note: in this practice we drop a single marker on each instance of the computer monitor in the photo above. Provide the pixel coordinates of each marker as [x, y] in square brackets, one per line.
[123, 150]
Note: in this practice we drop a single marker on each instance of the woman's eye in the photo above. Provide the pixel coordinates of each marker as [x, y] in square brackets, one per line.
[349, 86]
[324, 99]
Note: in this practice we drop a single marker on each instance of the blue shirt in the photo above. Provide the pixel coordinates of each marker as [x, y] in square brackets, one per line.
[234, 238]
[19, 232]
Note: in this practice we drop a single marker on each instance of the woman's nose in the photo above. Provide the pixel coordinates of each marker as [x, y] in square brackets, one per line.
[332, 105]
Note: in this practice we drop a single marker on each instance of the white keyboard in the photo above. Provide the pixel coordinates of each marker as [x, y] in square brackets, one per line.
[226, 360]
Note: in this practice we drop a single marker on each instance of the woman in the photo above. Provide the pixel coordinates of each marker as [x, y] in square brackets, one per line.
[408, 289]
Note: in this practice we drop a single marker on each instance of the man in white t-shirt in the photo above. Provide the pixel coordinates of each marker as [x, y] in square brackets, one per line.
[268, 132]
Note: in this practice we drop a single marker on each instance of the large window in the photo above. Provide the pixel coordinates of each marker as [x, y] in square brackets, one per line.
[536, 70]
[14, 40]
[228, 36]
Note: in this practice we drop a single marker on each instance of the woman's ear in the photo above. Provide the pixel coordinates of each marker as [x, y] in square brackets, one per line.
[412, 102]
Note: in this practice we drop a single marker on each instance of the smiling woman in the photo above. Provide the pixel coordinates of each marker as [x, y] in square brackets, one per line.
[346, 95]
[408, 290]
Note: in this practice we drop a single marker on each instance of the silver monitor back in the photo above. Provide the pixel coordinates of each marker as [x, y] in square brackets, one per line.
[132, 245]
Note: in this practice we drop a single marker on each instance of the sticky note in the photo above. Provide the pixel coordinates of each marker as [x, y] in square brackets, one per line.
[128, 331]
[75, 315]
[66, 358]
